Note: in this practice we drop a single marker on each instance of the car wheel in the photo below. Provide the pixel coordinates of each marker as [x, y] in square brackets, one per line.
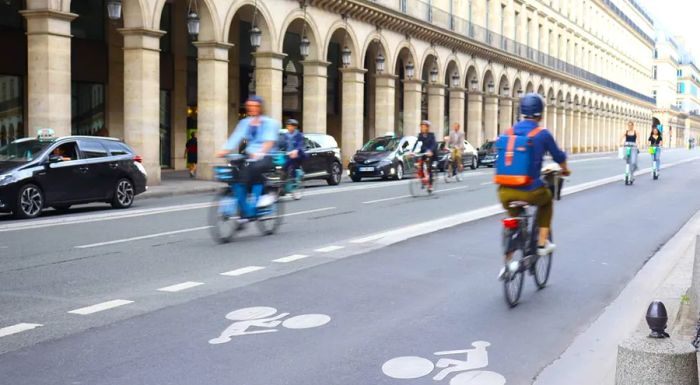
[336, 174]
[399, 172]
[30, 202]
[356, 178]
[475, 163]
[123, 194]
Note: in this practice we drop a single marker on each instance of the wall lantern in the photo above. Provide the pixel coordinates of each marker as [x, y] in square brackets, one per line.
[433, 74]
[380, 62]
[410, 70]
[114, 9]
[455, 79]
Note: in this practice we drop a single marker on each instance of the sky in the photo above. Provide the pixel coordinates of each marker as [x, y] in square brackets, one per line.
[679, 18]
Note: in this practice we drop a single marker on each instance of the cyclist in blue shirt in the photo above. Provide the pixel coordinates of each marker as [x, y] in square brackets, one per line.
[532, 107]
[293, 146]
[427, 151]
[260, 133]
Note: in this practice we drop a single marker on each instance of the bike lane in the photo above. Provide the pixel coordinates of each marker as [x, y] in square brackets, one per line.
[434, 293]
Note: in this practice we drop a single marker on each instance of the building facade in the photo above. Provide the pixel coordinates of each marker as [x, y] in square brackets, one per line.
[675, 88]
[372, 67]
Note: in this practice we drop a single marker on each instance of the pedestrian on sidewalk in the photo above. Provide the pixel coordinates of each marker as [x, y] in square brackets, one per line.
[191, 154]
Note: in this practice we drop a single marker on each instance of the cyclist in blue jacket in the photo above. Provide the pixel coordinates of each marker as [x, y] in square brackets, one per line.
[294, 146]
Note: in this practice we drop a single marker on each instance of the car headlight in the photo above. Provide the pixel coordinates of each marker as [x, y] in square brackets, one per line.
[6, 179]
[384, 162]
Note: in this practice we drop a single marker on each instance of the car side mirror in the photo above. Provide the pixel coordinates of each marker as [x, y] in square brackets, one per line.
[55, 159]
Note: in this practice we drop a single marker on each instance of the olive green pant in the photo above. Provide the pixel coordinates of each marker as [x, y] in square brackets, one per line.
[541, 197]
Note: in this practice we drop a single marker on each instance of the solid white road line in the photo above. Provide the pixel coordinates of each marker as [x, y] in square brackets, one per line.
[386, 199]
[329, 249]
[180, 286]
[241, 271]
[14, 329]
[290, 258]
[124, 240]
[141, 237]
[486, 183]
[100, 307]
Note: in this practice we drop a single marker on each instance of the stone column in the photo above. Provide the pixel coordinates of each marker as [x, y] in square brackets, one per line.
[570, 127]
[457, 107]
[315, 98]
[212, 103]
[475, 108]
[385, 104]
[491, 117]
[352, 120]
[505, 114]
[412, 90]
[589, 140]
[48, 71]
[436, 108]
[142, 97]
[551, 122]
[577, 145]
[561, 126]
[268, 81]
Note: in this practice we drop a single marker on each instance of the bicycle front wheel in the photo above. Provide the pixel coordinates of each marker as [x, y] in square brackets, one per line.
[542, 268]
[416, 187]
[223, 216]
[513, 282]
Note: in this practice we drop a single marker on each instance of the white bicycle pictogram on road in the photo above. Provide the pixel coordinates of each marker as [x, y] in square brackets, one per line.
[264, 319]
[411, 367]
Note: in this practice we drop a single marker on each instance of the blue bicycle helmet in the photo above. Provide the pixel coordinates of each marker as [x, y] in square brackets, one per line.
[532, 105]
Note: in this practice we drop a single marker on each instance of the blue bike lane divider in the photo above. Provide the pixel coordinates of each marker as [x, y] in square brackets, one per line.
[466, 372]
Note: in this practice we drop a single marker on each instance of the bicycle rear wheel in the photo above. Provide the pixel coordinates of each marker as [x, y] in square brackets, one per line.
[513, 282]
[542, 268]
[223, 217]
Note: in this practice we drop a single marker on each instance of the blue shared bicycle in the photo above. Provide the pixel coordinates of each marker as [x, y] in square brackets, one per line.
[225, 216]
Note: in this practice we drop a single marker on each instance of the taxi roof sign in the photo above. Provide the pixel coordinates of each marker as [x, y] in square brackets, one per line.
[46, 134]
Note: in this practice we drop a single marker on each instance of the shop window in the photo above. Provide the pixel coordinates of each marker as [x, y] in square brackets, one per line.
[12, 106]
[88, 109]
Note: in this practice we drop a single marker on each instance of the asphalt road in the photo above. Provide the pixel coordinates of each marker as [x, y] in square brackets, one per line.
[434, 292]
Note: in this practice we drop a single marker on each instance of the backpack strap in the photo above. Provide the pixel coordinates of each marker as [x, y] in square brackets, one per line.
[534, 132]
[510, 146]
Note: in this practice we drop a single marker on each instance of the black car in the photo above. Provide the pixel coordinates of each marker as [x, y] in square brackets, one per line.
[488, 154]
[41, 172]
[322, 160]
[384, 157]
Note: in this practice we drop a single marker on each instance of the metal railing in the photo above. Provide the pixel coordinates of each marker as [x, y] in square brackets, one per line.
[442, 19]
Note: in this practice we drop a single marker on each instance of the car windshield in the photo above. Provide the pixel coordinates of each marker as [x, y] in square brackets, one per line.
[23, 150]
[487, 145]
[381, 145]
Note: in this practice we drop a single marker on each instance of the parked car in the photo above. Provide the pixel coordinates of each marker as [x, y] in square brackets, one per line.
[488, 154]
[470, 156]
[46, 171]
[323, 160]
[384, 157]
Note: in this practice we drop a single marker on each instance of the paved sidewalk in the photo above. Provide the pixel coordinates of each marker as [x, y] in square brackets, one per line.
[179, 183]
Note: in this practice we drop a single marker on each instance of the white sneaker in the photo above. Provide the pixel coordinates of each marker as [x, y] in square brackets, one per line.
[266, 200]
[502, 274]
[512, 266]
[547, 249]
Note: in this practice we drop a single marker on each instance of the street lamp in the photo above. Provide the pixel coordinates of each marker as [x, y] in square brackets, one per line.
[410, 70]
[455, 79]
[192, 20]
[474, 83]
[305, 45]
[491, 87]
[433, 74]
[520, 92]
[346, 54]
[506, 91]
[255, 37]
[114, 9]
[380, 62]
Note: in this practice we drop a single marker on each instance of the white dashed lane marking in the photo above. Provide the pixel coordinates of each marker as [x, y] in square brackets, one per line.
[142, 237]
[180, 286]
[290, 258]
[101, 307]
[18, 328]
[328, 249]
[241, 271]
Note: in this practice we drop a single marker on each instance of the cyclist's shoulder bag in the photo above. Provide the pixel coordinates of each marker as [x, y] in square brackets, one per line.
[515, 153]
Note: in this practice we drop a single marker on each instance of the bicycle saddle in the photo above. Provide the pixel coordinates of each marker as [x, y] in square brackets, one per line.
[517, 204]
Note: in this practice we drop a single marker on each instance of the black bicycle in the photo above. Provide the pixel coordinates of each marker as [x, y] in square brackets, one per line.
[520, 236]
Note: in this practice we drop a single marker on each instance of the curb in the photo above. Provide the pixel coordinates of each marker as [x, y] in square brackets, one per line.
[666, 276]
[177, 192]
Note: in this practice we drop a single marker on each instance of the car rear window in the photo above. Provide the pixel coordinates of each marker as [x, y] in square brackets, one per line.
[92, 149]
[117, 148]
